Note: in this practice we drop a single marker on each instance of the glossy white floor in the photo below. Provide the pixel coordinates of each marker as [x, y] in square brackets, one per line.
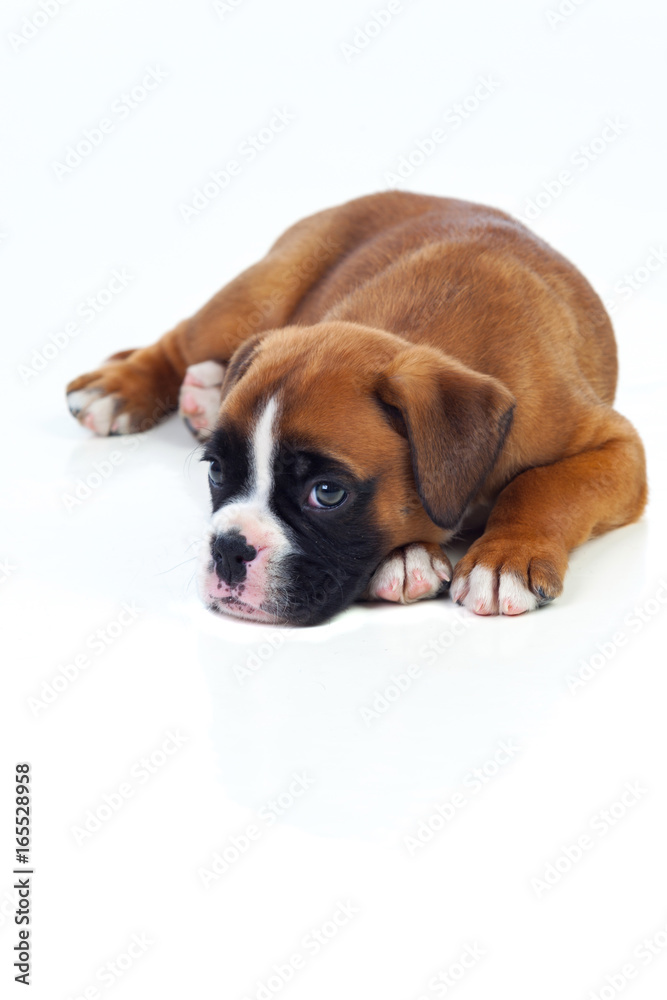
[406, 802]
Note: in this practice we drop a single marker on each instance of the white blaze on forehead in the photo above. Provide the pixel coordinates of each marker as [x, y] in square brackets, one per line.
[263, 449]
[250, 513]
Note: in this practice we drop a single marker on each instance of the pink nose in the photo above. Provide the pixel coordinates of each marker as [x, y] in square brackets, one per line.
[231, 552]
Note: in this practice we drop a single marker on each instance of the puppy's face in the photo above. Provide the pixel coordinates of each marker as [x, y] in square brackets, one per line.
[334, 445]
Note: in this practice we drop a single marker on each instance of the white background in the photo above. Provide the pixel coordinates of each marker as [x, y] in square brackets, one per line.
[70, 568]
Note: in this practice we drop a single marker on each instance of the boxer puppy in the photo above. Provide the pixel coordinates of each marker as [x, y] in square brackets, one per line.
[391, 369]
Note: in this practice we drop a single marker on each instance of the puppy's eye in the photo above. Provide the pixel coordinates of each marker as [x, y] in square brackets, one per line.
[326, 495]
[215, 473]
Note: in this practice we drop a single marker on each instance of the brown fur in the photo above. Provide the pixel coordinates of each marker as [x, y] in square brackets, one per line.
[448, 323]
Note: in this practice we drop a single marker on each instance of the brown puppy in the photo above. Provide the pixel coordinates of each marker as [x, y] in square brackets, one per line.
[391, 369]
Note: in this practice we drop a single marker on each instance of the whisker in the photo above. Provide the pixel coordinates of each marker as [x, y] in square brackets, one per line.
[187, 461]
[176, 566]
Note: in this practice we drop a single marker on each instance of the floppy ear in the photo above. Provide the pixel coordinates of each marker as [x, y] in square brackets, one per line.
[455, 420]
[239, 363]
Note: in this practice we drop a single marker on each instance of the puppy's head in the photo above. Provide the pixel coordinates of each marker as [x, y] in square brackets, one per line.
[334, 445]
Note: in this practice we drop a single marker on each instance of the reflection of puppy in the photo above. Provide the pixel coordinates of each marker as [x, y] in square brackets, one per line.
[389, 368]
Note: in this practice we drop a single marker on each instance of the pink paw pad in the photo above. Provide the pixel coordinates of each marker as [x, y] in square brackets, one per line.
[200, 395]
[389, 591]
[189, 404]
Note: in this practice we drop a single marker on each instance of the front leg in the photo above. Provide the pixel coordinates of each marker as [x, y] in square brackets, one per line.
[519, 562]
[508, 574]
[135, 389]
[410, 574]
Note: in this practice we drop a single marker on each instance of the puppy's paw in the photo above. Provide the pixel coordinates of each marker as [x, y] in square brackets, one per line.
[410, 574]
[507, 577]
[123, 396]
[199, 398]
